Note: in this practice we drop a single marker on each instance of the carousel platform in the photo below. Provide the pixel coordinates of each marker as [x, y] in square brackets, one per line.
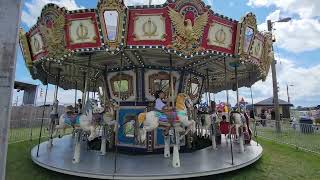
[123, 166]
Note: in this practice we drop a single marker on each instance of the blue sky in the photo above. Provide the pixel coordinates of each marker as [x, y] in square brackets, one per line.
[297, 48]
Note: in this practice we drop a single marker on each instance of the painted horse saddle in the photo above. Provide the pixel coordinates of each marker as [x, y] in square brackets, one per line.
[72, 120]
[168, 116]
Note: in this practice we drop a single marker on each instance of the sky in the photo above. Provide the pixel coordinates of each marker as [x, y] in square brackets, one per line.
[297, 47]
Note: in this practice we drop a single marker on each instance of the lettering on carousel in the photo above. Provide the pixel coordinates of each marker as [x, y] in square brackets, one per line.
[220, 35]
[149, 27]
[82, 31]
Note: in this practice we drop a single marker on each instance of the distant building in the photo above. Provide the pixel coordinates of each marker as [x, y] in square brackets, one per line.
[30, 92]
[268, 105]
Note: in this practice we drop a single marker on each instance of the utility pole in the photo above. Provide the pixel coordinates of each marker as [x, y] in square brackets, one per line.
[274, 78]
[288, 93]
[275, 86]
[10, 16]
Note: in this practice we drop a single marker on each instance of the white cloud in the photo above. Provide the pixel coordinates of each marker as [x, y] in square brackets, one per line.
[305, 8]
[65, 97]
[143, 2]
[305, 89]
[298, 35]
[32, 9]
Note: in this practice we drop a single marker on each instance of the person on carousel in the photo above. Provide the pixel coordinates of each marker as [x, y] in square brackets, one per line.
[167, 113]
[159, 104]
[78, 107]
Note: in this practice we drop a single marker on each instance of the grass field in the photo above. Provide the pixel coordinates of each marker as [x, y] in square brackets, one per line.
[292, 136]
[278, 162]
[23, 134]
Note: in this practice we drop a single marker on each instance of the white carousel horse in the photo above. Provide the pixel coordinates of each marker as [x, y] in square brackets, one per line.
[209, 124]
[238, 122]
[82, 121]
[53, 120]
[110, 123]
[150, 121]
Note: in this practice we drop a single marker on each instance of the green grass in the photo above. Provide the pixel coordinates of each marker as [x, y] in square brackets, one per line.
[23, 134]
[293, 137]
[278, 162]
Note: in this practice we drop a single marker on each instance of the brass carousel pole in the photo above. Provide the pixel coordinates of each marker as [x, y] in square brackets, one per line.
[54, 114]
[171, 82]
[85, 76]
[237, 86]
[207, 87]
[225, 83]
[43, 111]
[118, 114]
[253, 111]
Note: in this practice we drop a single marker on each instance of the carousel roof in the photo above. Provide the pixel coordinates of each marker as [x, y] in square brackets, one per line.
[114, 37]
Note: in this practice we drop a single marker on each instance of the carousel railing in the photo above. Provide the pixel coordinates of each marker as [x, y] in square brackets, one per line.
[303, 136]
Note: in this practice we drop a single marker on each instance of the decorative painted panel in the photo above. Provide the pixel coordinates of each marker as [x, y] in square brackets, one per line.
[220, 35]
[36, 44]
[126, 132]
[257, 47]
[149, 27]
[82, 31]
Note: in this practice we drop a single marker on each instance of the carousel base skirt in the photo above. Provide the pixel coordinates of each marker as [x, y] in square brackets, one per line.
[153, 166]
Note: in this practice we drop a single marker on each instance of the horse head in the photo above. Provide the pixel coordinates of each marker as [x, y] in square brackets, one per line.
[183, 101]
[236, 118]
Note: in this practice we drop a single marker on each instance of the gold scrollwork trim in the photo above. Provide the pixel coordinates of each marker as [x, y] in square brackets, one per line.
[25, 48]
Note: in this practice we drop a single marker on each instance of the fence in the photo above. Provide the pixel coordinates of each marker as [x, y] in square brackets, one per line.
[300, 135]
[25, 122]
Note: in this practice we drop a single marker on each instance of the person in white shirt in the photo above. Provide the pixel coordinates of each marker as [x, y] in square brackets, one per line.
[159, 104]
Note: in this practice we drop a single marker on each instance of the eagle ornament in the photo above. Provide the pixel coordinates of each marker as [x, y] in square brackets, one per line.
[187, 34]
[54, 37]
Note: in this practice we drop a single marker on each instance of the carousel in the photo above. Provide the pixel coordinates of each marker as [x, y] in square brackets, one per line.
[127, 59]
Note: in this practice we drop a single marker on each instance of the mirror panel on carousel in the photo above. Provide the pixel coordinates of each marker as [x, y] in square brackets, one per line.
[122, 86]
[192, 87]
[111, 20]
[249, 33]
[159, 80]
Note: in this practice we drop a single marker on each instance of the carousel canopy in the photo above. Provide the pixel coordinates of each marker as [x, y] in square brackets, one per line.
[89, 43]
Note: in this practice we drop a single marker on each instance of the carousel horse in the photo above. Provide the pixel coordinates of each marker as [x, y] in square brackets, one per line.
[109, 125]
[84, 121]
[149, 121]
[238, 122]
[53, 121]
[81, 123]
